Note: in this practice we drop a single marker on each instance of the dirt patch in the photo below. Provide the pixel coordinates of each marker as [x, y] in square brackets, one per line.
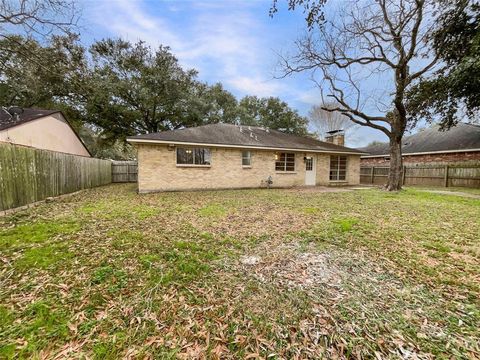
[300, 270]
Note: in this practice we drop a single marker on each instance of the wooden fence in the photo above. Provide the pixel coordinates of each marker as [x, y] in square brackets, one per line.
[29, 175]
[124, 171]
[426, 175]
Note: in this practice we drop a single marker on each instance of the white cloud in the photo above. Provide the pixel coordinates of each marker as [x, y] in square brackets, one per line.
[256, 86]
[219, 39]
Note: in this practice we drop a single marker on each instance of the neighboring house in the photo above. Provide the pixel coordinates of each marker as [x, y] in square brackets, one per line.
[42, 129]
[460, 144]
[220, 156]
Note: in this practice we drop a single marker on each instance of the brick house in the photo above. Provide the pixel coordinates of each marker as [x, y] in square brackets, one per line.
[221, 156]
[460, 144]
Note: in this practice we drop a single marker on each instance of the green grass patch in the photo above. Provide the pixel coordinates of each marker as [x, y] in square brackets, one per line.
[345, 224]
[37, 232]
[119, 209]
[164, 275]
[43, 257]
[114, 279]
[213, 210]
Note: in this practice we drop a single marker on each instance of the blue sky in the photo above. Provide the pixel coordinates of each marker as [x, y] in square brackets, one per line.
[232, 42]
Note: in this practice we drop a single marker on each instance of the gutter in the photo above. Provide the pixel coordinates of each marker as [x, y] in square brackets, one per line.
[164, 142]
[424, 153]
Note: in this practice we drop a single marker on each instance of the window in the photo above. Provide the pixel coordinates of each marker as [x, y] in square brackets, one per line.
[309, 164]
[193, 156]
[284, 162]
[338, 168]
[246, 158]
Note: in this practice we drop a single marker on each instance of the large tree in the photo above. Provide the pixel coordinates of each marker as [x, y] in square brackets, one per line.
[134, 89]
[452, 93]
[368, 56]
[272, 113]
[36, 75]
[212, 104]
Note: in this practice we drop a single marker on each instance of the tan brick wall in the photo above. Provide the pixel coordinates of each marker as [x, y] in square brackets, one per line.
[353, 170]
[157, 170]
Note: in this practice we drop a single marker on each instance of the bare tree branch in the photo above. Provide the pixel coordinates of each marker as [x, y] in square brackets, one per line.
[373, 41]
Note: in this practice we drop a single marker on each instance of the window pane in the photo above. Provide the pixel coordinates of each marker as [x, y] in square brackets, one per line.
[202, 156]
[285, 162]
[338, 167]
[190, 156]
[184, 156]
[246, 156]
[309, 164]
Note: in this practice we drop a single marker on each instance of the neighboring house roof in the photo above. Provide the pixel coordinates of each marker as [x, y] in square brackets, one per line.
[228, 135]
[461, 138]
[8, 121]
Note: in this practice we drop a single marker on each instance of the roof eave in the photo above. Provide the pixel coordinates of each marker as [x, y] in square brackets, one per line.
[169, 142]
[424, 153]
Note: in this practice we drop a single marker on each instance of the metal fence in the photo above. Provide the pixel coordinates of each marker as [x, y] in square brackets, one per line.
[28, 175]
[124, 171]
[427, 175]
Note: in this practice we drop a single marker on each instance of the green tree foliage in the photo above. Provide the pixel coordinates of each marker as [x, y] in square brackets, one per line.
[272, 113]
[35, 75]
[212, 104]
[134, 90]
[117, 89]
[453, 90]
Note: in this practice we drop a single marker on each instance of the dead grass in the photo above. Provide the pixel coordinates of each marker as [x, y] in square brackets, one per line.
[111, 274]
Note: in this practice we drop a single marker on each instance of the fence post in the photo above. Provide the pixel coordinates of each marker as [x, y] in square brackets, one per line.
[446, 175]
[373, 174]
[403, 175]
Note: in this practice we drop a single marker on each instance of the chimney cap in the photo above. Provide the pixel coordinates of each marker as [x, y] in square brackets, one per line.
[332, 132]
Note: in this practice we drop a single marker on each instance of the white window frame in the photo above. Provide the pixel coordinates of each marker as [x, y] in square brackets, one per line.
[248, 157]
[277, 160]
[338, 168]
[192, 149]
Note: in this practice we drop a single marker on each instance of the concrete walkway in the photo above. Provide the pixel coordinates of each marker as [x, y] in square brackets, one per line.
[455, 193]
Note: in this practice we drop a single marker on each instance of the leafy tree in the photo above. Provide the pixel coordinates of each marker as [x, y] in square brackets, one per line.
[134, 90]
[105, 148]
[249, 110]
[271, 113]
[36, 75]
[376, 41]
[212, 104]
[453, 90]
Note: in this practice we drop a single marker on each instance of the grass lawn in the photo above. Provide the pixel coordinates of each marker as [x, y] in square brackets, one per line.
[108, 274]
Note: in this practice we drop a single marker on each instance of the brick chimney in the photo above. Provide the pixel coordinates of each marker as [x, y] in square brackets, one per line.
[336, 137]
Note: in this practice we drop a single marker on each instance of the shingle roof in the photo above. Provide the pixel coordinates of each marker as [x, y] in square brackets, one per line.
[461, 137]
[8, 121]
[241, 136]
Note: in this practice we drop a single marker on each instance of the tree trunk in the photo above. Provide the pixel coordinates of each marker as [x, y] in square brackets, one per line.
[396, 166]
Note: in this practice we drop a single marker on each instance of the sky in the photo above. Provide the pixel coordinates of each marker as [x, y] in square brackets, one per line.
[232, 42]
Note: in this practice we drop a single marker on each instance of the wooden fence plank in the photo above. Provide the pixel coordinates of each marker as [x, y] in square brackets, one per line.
[124, 171]
[467, 175]
[29, 175]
